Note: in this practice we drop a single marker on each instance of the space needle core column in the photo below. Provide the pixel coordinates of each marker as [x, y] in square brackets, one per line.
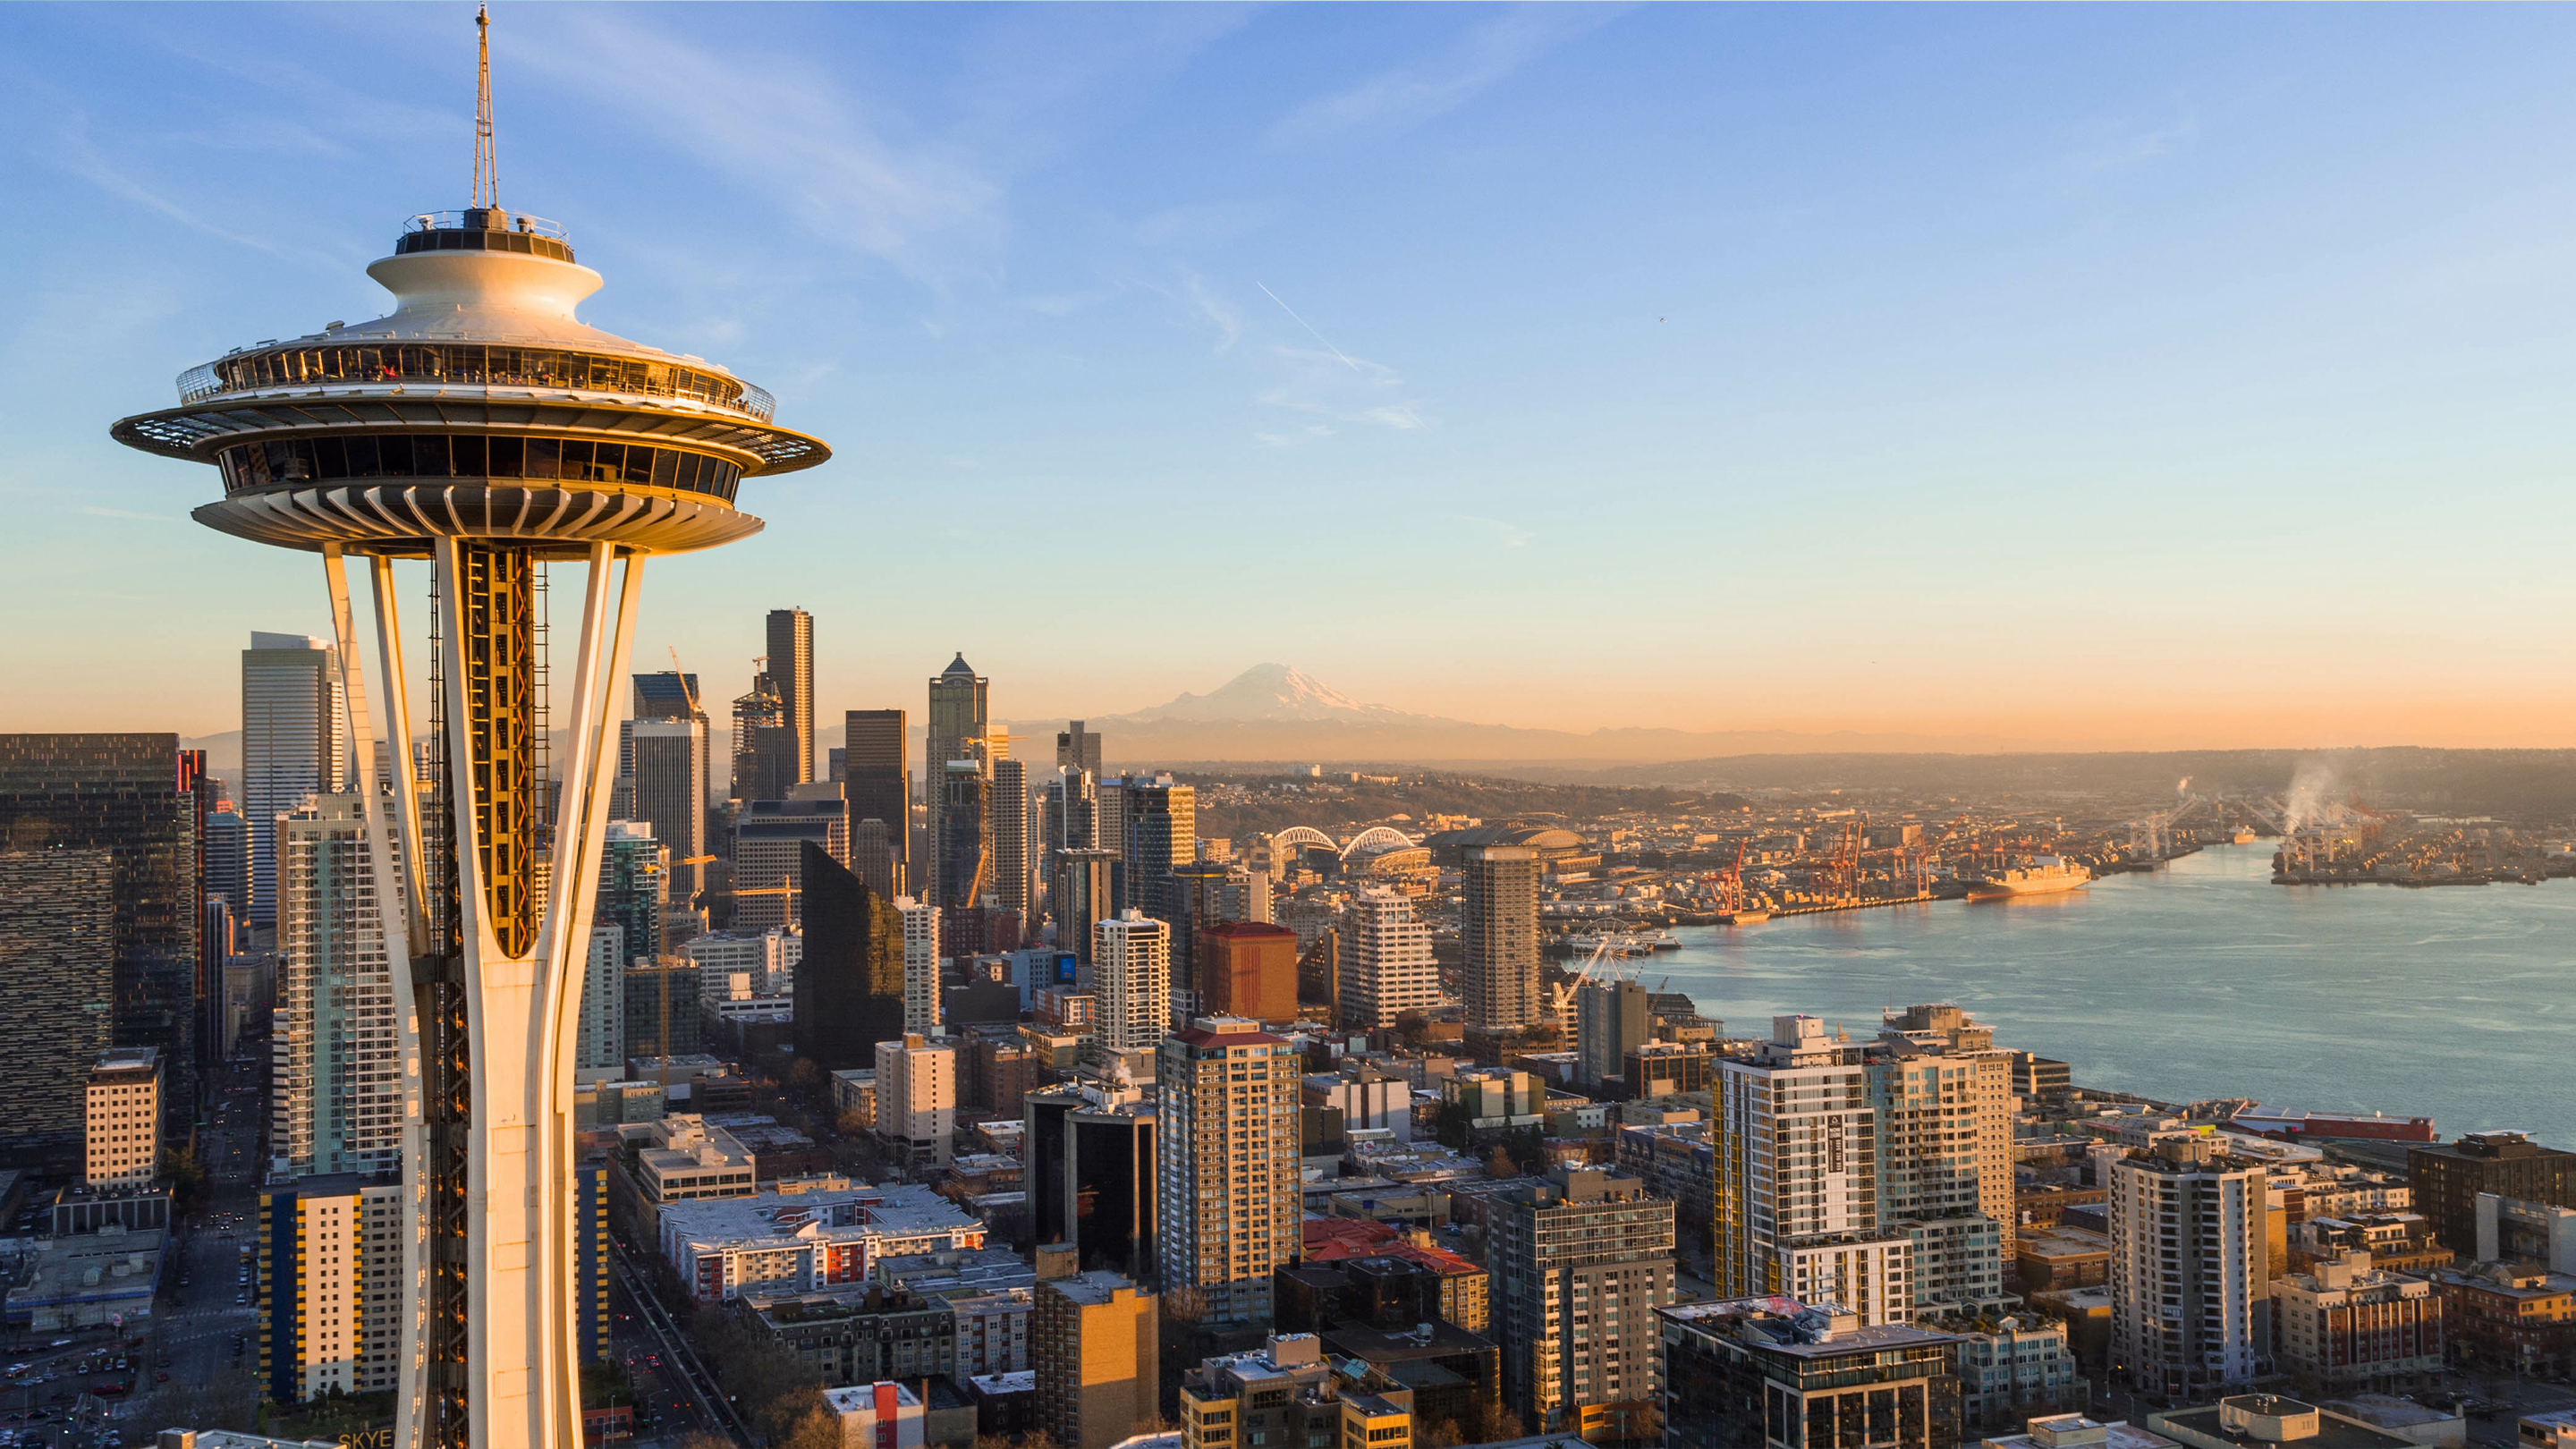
[483, 427]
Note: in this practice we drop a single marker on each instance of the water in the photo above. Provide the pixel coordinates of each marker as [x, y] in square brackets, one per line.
[2206, 980]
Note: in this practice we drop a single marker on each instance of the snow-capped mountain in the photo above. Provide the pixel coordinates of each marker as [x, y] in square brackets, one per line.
[1272, 693]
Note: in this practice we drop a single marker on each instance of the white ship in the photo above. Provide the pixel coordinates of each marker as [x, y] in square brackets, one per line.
[2044, 874]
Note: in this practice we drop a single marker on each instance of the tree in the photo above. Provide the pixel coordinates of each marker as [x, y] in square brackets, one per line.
[804, 1075]
[187, 1177]
[1501, 1164]
[1453, 1125]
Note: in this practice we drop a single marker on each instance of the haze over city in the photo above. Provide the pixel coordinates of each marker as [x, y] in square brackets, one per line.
[2059, 378]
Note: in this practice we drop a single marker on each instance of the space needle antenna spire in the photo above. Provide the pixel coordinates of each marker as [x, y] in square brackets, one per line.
[487, 166]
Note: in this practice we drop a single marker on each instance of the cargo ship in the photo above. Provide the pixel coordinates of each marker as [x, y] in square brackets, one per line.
[2045, 874]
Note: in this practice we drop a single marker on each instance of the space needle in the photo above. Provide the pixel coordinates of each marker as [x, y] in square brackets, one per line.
[482, 426]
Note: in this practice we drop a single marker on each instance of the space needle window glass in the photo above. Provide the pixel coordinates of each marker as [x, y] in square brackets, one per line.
[438, 455]
[473, 365]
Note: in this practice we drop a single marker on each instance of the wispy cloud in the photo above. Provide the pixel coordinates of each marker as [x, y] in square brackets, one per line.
[2129, 145]
[780, 127]
[1229, 323]
[77, 154]
[1509, 535]
[1398, 99]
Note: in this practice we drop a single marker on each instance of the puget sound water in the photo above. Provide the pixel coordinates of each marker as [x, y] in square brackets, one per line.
[2206, 980]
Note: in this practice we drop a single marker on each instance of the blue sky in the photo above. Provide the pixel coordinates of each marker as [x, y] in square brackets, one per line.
[2101, 375]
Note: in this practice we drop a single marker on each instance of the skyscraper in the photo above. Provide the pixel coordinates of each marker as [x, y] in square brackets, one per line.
[1580, 1263]
[1796, 1167]
[1008, 810]
[768, 871]
[1131, 972]
[454, 428]
[58, 997]
[1610, 1021]
[662, 1008]
[1498, 926]
[872, 856]
[1386, 966]
[1160, 819]
[1230, 1201]
[764, 743]
[956, 725]
[1081, 897]
[1942, 1096]
[1078, 749]
[121, 793]
[1248, 968]
[878, 778]
[921, 1014]
[791, 671]
[1095, 1341]
[962, 828]
[670, 792]
[294, 744]
[227, 858]
[634, 888]
[1092, 1179]
[601, 1041]
[336, 1099]
[850, 985]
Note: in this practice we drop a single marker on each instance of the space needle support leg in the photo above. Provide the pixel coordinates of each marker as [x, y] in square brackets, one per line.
[607, 626]
[393, 850]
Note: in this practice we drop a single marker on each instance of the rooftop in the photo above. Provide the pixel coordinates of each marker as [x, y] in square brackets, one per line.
[2249, 1420]
[1784, 1325]
[896, 1210]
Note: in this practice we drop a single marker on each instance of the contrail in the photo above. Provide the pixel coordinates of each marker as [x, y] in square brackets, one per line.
[1309, 326]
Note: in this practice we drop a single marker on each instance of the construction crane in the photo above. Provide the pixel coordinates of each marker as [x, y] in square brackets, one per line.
[1563, 992]
[1727, 886]
[688, 691]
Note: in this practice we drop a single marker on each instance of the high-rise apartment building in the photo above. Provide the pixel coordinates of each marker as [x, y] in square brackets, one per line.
[1610, 1021]
[1942, 1096]
[1078, 749]
[791, 672]
[1580, 1263]
[1386, 960]
[850, 986]
[670, 789]
[877, 774]
[122, 1136]
[1230, 1198]
[1498, 927]
[331, 1286]
[1008, 812]
[602, 1039]
[1796, 1171]
[634, 888]
[58, 997]
[1131, 971]
[769, 838]
[295, 743]
[921, 1004]
[121, 793]
[917, 1098]
[2188, 1268]
[336, 1065]
[1094, 1339]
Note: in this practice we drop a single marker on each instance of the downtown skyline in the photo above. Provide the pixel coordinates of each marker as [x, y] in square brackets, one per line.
[2086, 379]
